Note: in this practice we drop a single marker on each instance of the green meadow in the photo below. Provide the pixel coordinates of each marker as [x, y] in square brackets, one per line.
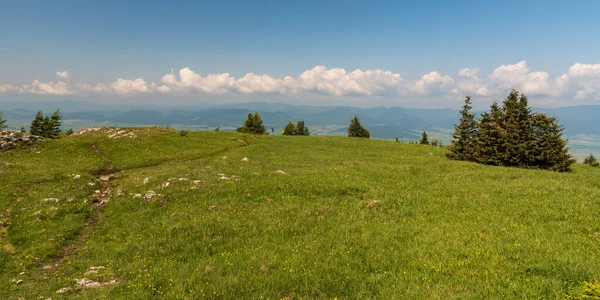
[166, 216]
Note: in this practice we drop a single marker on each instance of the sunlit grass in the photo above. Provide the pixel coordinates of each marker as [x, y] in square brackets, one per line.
[352, 218]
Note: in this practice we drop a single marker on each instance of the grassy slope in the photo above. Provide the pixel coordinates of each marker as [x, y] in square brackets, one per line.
[438, 228]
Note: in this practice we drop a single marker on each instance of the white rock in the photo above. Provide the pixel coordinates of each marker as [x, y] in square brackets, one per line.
[87, 283]
[63, 290]
[280, 172]
[137, 196]
[164, 185]
[245, 159]
[77, 176]
[49, 200]
[146, 180]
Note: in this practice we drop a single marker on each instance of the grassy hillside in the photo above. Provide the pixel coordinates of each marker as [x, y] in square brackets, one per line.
[350, 218]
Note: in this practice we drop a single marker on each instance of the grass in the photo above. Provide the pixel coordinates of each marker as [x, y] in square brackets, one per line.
[352, 218]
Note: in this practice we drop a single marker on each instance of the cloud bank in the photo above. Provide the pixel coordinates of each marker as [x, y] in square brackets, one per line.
[580, 84]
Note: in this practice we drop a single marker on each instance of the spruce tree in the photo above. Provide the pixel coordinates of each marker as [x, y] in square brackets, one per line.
[257, 122]
[55, 123]
[424, 140]
[462, 147]
[290, 128]
[302, 129]
[46, 127]
[490, 137]
[355, 129]
[37, 123]
[253, 124]
[3, 121]
[550, 150]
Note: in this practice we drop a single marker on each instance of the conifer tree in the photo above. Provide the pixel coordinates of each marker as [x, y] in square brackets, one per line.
[253, 124]
[462, 147]
[355, 129]
[257, 122]
[37, 124]
[302, 129]
[290, 128]
[46, 127]
[550, 150]
[424, 140]
[3, 121]
[490, 137]
[55, 123]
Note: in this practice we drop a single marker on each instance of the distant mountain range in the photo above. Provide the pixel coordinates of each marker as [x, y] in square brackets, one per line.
[582, 123]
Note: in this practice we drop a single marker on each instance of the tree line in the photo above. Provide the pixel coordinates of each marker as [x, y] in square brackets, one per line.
[510, 135]
[44, 126]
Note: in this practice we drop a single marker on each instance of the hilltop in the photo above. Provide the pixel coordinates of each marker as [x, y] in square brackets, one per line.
[582, 123]
[144, 212]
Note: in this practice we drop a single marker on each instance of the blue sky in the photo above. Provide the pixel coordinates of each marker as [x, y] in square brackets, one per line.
[99, 42]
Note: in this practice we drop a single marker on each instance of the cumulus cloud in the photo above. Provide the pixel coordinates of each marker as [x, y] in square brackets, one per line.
[581, 83]
[49, 88]
[432, 83]
[63, 75]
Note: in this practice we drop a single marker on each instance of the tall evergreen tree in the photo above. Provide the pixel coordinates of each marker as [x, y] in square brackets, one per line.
[462, 144]
[303, 129]
[424, 139]
[55, 123]
[490, 137]
[3, 121]
[47, 127]
[290, 128]
[37, 124]
[550, 150]
[355, 129]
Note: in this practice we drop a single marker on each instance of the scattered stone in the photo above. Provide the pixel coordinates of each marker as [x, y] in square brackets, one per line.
[212, 207]
[91, 183]
[50, 200]
[76, 176]
[47, 267]
[22, 273]
[149, 195]
[245, 159]
[165, 185]
[19, 281]
[146, 180]
[232, 178]
[10, 139]
[183, 179]
[63, 290]
[137, 196]
[87, 283]
[280, 172]
[224, 157]
[196, 181]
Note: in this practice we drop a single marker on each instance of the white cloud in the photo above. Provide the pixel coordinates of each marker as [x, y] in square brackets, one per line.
[8, 88]
[63, 75]
[432, 83]
[580, 83]
[518, 76]
[129, 87]
[49, 88]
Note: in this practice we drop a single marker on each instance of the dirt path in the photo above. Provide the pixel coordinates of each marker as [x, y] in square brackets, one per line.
[101, 197]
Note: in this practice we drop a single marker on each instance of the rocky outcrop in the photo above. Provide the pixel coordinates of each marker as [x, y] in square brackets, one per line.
[9, 139]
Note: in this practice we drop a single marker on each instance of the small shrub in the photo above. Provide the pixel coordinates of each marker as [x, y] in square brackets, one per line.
[591, 160]
[69, 132]
[183, 132]
[218, 128]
